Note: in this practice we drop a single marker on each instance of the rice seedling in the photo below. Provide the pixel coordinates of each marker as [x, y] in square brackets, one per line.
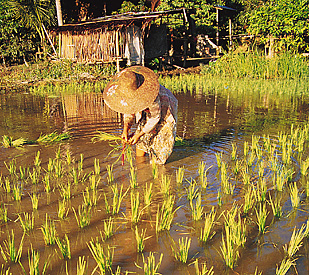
[165, 214]
[65, 190]
[206, 234]
[226, 186]
[34, 263]
[68, 158]
[180, 173]
[246, 148]
[58, 169]
[219, 198]
[34, 176]
[255, 142]
[83, 216]
[11, 167]
[47, 183]
[181, 252]
[276, 206]
[192, 190]
[249, 197]
[204, 270]
[286, 153]
[27, 223]
[294, 195]
[50, 165]
[284, 266]
[64, 247]
[155, 172]
[49, 231]
[37, 160]
[35, 201]
[75, 176]
[197, 208]
[118, 195]
[7, 185]
[136, 213]
[9, 252]
[82, 266]
[118, 144]
[133, 178]
[62, 209]
[165, 185]
[97, 168]
[108, 229]
[150, 266]
[52, 138]
[110, 176]
[17, 192]
[140, 239]
[234, 151]
[237, 167]
[3, 213]
[261, 190]
[279, 181]
[203, 174]
[93, 182]
[295, 241]
[304, 164]
[22, 173]
[102, 255]
[251, 159]
[80, 164]
[229, 251]
[148, 194]
[236, 226]
[261, 216]
[8, 142]
[219, 159]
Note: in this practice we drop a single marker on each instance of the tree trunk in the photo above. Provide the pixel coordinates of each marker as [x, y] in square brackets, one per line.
[59, 12]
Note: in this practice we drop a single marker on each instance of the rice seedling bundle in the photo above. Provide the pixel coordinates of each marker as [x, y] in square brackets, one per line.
[118, 144]
[181, 252]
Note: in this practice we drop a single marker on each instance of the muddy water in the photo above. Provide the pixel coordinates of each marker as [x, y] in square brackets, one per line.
[211, 122]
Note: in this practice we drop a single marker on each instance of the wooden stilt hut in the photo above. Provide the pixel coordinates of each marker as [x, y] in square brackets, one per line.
[110, 38]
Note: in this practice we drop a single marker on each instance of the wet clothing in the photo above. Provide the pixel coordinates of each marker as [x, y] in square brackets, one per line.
[158, 122]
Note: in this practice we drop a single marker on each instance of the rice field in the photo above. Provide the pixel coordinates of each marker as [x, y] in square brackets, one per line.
[232, 199]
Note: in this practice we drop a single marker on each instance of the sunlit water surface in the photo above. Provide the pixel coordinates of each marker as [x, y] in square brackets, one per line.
[211, 122]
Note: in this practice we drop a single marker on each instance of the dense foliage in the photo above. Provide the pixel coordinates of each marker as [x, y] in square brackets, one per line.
[285, 22]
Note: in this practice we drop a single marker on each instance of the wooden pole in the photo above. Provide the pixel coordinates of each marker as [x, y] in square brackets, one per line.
[230, 32]
[117, 50]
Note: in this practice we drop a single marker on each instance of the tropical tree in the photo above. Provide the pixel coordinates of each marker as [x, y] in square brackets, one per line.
[16, 42]
[284, 21]
[35, 15]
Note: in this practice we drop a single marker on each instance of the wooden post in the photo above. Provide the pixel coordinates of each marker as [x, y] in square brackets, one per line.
[117, 50]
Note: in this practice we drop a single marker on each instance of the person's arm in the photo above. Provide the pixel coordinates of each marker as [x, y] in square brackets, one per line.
[128, 121]
[152, 121]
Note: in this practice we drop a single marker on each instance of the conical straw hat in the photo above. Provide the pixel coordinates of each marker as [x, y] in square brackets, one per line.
[132, 90]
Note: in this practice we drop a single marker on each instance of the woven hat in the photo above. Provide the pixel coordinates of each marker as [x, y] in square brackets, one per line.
[132, 90]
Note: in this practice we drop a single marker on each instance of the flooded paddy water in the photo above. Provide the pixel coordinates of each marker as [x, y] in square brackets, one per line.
[239, 169]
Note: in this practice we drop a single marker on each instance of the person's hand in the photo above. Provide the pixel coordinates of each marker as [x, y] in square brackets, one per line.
[135, 138]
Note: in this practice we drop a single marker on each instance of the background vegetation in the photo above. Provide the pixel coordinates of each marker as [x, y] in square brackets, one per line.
[22, 25]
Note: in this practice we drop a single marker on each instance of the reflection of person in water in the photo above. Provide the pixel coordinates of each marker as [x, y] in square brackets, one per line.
[136, 93]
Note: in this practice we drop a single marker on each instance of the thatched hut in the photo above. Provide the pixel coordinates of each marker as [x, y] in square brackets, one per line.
[115, 38]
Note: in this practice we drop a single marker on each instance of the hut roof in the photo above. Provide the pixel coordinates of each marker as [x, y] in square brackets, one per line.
[118, 19]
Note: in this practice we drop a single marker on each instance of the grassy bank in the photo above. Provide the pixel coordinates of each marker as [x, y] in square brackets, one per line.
[285, 73]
